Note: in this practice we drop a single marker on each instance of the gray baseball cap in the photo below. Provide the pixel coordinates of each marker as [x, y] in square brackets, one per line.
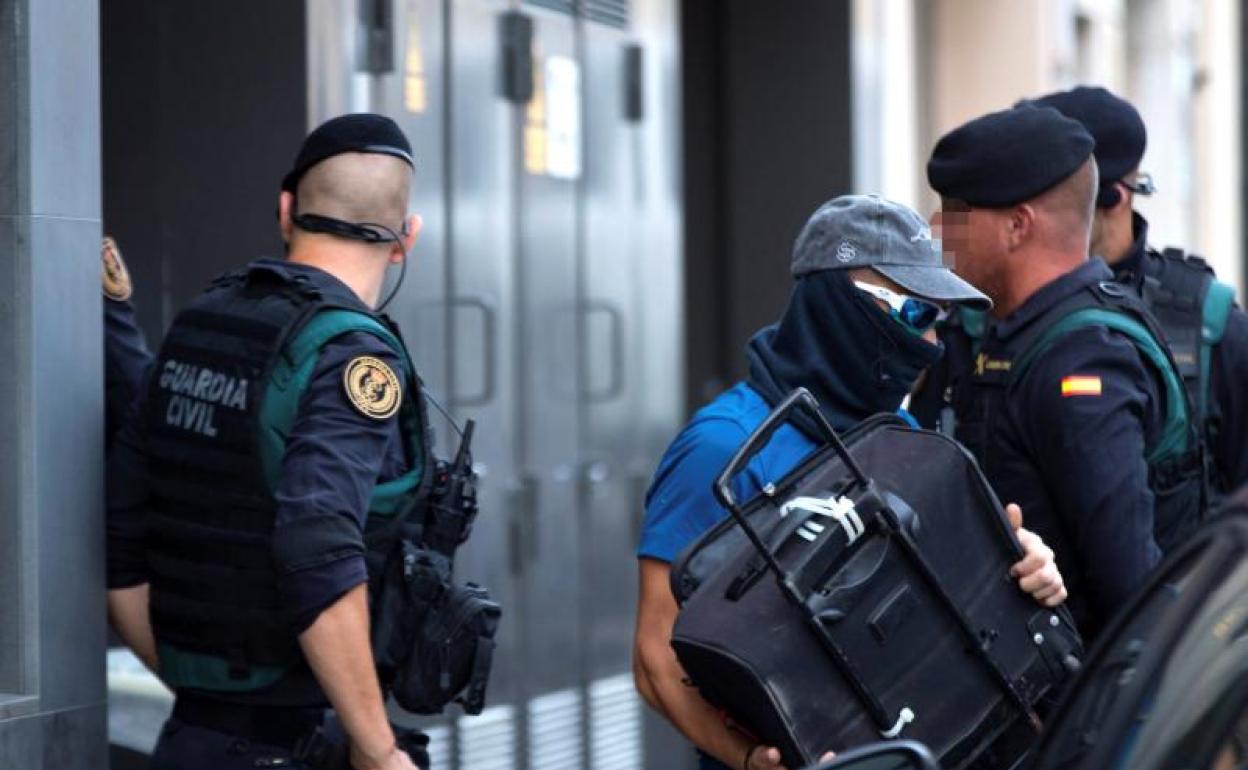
[892, 239]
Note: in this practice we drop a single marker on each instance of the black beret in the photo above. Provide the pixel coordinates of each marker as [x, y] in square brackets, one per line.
[1115, 125]
[358, 132]
[1007, 157]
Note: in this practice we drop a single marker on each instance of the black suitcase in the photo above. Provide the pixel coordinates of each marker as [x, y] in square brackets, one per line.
[869, 597]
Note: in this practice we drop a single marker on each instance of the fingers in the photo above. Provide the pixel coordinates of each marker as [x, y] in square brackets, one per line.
[765, 758]
[1037, 554]
[1057, 597]
[1041, 581]
[1037, 572]
[1045, 585]
[1015, 515]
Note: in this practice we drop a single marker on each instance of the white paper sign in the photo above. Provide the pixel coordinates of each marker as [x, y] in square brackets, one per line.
[563, 118]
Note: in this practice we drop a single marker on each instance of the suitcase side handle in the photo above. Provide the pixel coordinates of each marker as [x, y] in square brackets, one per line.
[798, 399]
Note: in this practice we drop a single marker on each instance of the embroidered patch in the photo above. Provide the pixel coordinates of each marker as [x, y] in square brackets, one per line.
[1081, 385]
[372, 387]
[113, 272]
[985, 364]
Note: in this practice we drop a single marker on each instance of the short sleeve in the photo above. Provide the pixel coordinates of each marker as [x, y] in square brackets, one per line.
[680, 505]
[341, 444]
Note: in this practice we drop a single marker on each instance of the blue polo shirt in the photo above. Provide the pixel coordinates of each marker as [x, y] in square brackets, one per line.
[680, 505]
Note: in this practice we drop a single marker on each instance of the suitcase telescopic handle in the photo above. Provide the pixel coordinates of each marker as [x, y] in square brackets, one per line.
[798, 399]
[801, 399]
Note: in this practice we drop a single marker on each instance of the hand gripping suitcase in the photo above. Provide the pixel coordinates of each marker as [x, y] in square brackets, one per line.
[870, 598]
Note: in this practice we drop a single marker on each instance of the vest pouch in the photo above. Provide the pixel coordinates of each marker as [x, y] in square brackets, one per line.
[454, 651]
[414, 580]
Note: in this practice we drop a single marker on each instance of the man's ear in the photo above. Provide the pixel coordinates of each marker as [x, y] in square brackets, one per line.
[1019, 225]
[414, 223]
[285, 210]
[1126, 198]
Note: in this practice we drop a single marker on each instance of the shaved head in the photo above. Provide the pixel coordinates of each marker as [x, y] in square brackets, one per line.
[357, 187]
[1066, 210]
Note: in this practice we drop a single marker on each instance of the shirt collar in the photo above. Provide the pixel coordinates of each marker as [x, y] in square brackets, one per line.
[331, 287]
[1091, 272]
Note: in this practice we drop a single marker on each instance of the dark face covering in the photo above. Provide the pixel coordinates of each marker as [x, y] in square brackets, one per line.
[837, 343]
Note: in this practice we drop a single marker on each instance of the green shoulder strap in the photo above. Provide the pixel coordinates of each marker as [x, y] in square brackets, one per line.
[290, 378]
[1175, 436]
[1218, 302]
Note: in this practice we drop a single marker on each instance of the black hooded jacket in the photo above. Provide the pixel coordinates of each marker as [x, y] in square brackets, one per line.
[834, 341]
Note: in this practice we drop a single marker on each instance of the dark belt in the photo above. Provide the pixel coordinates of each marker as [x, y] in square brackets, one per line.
[274, 725]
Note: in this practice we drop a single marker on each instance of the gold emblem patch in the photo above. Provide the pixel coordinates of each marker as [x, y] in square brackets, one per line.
[113, 272]
[372, 387]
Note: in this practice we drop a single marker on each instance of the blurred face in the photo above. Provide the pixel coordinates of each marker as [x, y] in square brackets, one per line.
[971, 243]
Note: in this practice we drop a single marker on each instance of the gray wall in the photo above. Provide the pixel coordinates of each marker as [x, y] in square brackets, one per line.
[767, 139]
[51, 433]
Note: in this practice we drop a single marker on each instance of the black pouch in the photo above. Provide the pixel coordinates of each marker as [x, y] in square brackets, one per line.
[453, 653]
[413, 582]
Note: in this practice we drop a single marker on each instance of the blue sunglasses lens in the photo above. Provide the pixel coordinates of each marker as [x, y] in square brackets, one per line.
[918, 314]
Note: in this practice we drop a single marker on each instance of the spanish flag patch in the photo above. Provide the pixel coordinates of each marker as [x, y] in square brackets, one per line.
[1081, 385]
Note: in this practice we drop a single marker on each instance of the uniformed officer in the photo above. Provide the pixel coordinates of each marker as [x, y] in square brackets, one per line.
[857, 333]
[126, 356]
[283, 419]
[126, 362]
[1070, 401]
[1206, 333]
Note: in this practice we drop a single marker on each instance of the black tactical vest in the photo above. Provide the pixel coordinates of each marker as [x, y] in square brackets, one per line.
[214, 600]
[1174, 456]
[1191, 307]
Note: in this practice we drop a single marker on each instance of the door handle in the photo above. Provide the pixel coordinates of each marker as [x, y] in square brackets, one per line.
[489, 351]
[615, 373]
[522, 525]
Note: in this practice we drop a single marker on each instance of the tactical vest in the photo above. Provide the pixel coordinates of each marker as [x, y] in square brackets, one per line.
[1191, 307]
[934, 402]
[222, 401]
[1174, 456]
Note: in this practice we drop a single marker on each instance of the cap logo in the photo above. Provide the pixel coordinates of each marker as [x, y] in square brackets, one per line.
[846, 252]
[922, 235]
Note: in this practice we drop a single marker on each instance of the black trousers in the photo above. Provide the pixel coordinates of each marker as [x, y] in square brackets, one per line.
[185, 746]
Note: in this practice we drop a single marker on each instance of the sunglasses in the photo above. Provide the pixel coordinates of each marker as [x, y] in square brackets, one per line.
[1141, 185]
[917, 315]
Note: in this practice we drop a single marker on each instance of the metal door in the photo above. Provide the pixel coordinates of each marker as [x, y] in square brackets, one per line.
[480, 149]
[548, 131]
[612, 305]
